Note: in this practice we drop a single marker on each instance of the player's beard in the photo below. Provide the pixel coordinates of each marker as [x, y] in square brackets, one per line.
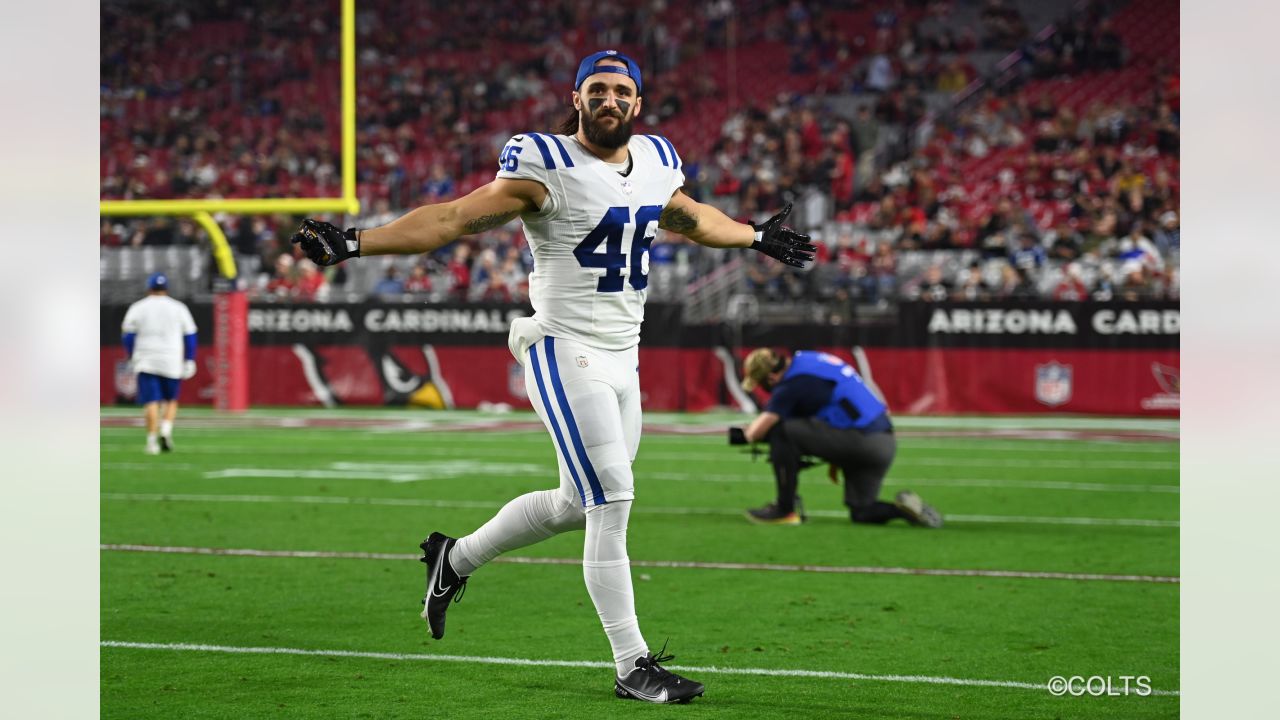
[601, 136]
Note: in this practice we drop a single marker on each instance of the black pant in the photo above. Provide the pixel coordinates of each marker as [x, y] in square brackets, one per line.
[864, 460]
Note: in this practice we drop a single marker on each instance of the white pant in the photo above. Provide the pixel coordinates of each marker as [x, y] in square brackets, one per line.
[589, 399]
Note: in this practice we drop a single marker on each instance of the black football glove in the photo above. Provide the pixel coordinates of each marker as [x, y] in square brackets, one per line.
[737, 436]
[325, 244]
[782, 243]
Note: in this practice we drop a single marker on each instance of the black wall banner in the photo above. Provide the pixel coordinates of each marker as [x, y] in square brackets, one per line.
[1085, 325]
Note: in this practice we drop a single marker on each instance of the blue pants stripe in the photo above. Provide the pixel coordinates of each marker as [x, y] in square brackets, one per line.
[555, 426]
[597, 492]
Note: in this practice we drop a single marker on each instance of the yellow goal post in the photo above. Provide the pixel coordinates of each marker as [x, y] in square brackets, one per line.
[200, 210]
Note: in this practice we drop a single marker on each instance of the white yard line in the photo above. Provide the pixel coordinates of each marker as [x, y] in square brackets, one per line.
[409, 472]
[770, 567]
[641, 509]
[540, 662]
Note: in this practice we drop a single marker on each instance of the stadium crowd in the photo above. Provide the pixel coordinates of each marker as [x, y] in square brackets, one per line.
[1009, 193]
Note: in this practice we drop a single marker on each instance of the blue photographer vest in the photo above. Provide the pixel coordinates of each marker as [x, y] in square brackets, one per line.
[852, 404]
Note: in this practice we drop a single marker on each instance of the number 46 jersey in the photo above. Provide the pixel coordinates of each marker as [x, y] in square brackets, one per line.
[590, 239]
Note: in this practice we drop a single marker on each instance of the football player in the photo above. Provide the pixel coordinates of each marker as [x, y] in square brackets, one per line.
[591, 197]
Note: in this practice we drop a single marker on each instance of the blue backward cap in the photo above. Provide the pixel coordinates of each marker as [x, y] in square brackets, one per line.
[588, 67]
[157, 281]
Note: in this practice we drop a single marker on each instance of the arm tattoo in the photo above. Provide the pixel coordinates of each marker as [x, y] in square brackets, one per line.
[488, 222]
[677, 220]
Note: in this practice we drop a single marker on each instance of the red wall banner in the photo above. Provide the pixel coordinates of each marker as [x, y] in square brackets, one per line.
[913, 380]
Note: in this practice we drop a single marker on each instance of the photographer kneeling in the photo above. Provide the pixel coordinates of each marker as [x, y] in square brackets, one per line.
[819, 406]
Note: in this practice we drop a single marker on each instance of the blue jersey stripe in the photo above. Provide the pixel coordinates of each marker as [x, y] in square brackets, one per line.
[675, 159]
[597, 493]
[662, 153]
[555, 426]
[564, 154]
[547, 162]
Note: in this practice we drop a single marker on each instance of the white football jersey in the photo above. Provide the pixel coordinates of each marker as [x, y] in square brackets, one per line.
[160, 322]
[590, 239]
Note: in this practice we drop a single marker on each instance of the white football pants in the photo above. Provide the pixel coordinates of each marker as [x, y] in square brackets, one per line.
[589, 399]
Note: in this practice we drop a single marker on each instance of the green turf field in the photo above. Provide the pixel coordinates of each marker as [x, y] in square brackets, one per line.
[1072, 525]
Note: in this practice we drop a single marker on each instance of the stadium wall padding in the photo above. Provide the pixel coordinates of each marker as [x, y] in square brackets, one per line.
[1096, 358]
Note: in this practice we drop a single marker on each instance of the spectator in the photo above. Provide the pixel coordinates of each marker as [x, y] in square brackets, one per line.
[1064, 243]
[1029, 256]
[419, 282]
[1014, 284]
[972, 286]
[953, 77]
[459, 271]
[439, 186]
[866, 136]
[880, 75]
[1168, 237]
[884, 269]
[390, 287]
[311, 285]
[1071, 287]
[283, 282]
[932, 286]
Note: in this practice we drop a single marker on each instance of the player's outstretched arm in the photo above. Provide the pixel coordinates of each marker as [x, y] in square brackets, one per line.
[426, 228]
[706, 225]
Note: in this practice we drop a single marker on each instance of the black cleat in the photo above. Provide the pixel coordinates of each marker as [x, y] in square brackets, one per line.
[771, 514]
[919, 512]
[166, 444]
[443, 584]
[651, 682]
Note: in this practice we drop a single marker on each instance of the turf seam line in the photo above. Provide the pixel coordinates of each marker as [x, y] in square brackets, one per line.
[666, 564]
[489, 660]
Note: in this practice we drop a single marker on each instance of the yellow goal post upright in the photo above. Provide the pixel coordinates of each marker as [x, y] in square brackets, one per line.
[231, 327]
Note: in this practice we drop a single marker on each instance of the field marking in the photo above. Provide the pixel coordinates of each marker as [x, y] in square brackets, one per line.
[641, 509]
[412, 472]
[529, 662]
[669, 564]
[448, 470]
[401, 472]
[427, 449]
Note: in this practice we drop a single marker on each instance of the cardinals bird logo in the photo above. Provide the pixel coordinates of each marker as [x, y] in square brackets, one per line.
[1168, 378]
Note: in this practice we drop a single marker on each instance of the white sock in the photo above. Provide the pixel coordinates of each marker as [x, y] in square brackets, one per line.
[528, 519]
[151, 439]
[166, 428]
[607, 571]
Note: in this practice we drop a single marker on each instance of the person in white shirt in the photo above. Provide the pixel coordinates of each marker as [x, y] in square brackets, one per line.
[592, 197]
[160, 339]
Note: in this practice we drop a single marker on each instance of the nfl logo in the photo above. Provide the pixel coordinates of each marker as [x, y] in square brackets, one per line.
[582, 361]
[126, 381]
[1053, 384]
[515, 381]
[626, 186]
